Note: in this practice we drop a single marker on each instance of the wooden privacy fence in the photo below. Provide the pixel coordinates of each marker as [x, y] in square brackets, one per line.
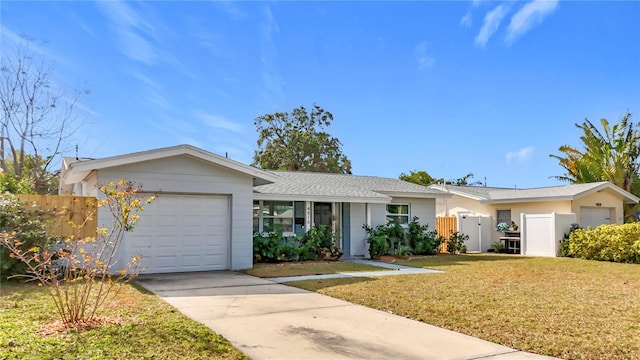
[61, 212]
[445, 225]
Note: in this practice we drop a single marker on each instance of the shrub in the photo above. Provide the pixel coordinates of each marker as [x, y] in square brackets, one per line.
[318, 243]
[498, 247]
[456, 243]
[79, 271]
[272, 247]
[377, 239]
[393, 239]
[564, 243]
[617, 243]
[27, 225]
[421, 240]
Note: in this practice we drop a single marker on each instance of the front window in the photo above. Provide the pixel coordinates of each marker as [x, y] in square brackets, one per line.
[503, 216]
[398, 213]
[275, 215]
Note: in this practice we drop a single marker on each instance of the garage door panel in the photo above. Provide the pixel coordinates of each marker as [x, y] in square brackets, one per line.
[594, 217]
[193, 220]
[165, 241]
[138, 241]
[182, 233]
[165, 262]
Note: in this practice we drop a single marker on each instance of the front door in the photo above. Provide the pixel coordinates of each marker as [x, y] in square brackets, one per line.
[322, 214]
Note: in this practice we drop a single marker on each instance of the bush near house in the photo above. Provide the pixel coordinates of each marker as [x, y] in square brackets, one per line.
[393, 239]
[616, 243]
[455, 245]
[30, 225]
[318, 243]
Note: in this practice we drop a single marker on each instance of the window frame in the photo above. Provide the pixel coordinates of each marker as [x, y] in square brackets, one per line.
[502, 220]
[388, 214]
[262, 216]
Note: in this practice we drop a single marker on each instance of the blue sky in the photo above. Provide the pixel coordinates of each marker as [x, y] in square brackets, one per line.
[453, 87]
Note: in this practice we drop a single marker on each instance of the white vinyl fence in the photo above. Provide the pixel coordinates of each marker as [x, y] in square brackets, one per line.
[541, 233]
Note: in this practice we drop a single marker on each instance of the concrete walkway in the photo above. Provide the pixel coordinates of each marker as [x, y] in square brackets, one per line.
[266, 320]
[393, 270]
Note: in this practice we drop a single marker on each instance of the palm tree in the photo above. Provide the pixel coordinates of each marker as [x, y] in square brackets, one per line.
[611, 155]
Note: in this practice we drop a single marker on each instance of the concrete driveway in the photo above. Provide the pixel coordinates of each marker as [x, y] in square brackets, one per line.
[266, 320]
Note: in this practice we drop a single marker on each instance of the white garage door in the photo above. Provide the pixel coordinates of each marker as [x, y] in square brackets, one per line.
[179, 233]
[594, 217]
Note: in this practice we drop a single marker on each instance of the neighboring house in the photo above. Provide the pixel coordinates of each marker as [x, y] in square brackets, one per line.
[203, 219]
[593, 204]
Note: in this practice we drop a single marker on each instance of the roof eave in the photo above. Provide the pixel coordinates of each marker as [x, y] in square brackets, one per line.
[628, 198]
[83, 168]
[527, 199]
[442, 195]
[457, 192]
[321, 198]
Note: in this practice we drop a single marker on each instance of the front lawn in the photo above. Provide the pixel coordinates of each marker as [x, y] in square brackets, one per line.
[144, 327]
[569, 308]
[308, 268]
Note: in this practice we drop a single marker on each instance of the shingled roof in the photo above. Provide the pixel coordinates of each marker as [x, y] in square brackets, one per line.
[309, 186]
[491, 195]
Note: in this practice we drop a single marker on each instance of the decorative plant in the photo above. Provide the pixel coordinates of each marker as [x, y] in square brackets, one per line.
[318, 243]
[80, 272]
[377, 239]
[273, 247]
[498, 247]
[421, 240]
[502, 227]
[456, 243]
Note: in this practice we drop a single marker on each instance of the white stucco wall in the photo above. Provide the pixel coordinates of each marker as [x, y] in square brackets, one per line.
[606, 199]
[184, 174]
[459, 204]
[424, 209]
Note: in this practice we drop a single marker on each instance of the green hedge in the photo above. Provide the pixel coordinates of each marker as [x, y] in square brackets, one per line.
[617, 243]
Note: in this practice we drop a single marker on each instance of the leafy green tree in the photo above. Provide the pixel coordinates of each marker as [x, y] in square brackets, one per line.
[296, 141]
[423, 178]
[608, 155]
[418, 177]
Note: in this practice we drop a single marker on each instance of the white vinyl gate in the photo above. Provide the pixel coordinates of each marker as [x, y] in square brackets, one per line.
[479, 230]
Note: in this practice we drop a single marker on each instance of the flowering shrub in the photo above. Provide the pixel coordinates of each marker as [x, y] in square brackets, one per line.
[617, 243]
[79, 271]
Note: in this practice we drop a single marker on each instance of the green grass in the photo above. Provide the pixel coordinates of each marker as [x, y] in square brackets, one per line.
[308, 268]
[569, 308]
[149, 328]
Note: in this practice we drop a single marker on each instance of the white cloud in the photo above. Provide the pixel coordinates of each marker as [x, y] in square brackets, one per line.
[273, 83]
[232, 9]
[528, 16]
[219, 122]
[491, 23]
[520, 155]
[467, 20]
[422, 56]
[132, 30]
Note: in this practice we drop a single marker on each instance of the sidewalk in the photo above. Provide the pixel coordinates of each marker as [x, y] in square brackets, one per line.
[394, 270]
